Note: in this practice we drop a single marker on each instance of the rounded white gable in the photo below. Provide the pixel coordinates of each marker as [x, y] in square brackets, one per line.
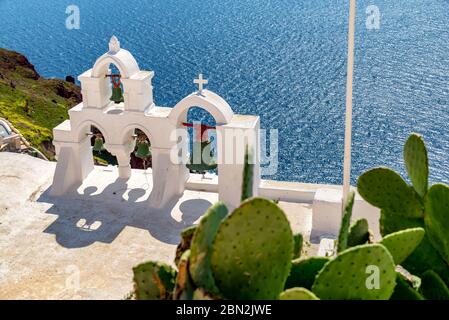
[209, 101]
[121, 58]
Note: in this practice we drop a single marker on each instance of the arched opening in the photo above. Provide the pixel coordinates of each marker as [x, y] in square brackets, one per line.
[202, 148]
[114, 77]
[101, 156]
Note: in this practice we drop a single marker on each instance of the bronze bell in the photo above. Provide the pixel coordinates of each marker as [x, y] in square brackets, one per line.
[117, 95]
[143, 150]
[98, 145]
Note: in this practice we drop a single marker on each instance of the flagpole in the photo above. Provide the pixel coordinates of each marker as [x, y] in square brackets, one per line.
[348, 121]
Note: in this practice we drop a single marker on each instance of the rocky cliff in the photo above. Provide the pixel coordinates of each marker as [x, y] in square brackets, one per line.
[33, 104]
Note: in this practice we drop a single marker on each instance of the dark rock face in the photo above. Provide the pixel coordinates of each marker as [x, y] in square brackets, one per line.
[15, 62]
[66, 90]
[12, 62]
[70, 79]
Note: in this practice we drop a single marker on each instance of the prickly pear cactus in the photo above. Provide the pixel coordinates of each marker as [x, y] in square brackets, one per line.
[201, 294]
[390, 222]
[385, 189]
[298, 239]
[153, 281]
[433, 287]
[248, 176]
[417, 163]
[184, 245]
[359, 233]
[424, 258]
[297, 294]
[342, 242]
[437, 218]
[402, 243]
[201, 247]
[304, 271]
[365, 272]
[184, 286]
[404, 290]
[252, 251]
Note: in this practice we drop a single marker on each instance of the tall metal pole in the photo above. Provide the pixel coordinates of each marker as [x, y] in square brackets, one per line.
[348, 121]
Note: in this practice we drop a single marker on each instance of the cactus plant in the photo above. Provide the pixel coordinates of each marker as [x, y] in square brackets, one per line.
[425, 256]
[248, 253]
[346, 276]
[200, 294]
[248, 176]
[252, 251]
[402, 243]
[385, 189]
[184, 245]
[153, 281]
[297, 294]
[342, 242]
[432, 252]
[199, 266]
[297, 248]
[404, 290]
[433, 287]
[304, 271]
[184, 286]
[359, 233]
[417, 163]
[437, 218]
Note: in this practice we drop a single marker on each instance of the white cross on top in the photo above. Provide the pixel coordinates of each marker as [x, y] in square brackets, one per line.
[200, 82]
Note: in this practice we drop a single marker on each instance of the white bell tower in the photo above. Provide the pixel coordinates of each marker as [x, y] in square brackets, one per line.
[137, 87]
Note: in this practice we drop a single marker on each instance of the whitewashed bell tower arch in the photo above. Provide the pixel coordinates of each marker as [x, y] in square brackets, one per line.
[137, 87]
[118, 120]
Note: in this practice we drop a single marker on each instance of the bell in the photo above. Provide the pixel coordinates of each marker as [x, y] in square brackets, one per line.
[98, 145]
[117, 94]
[143, 150]
[204, 146]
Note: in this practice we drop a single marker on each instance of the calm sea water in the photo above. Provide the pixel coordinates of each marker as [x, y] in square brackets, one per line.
[284, 60]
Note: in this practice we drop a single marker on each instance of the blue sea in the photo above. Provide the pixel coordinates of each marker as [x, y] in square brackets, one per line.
[284, 60]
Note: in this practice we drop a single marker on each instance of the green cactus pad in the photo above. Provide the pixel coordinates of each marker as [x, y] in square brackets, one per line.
[417, 163]
[248, 176]
[348, 276]
[359, 233]
[404, 290]
[425, 256]
[391, 222]
[252, 251]
[433, 287]
[402, 243]
[184, 286]
[297, 294]
[200, 247]
[342, 242]
[298, 239]
[304, 271]
[184, 245]
[437, 218]
[385, 189]
[153, 281]
[201, 294]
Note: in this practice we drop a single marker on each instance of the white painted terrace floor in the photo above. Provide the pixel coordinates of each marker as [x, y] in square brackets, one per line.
[94, 235]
